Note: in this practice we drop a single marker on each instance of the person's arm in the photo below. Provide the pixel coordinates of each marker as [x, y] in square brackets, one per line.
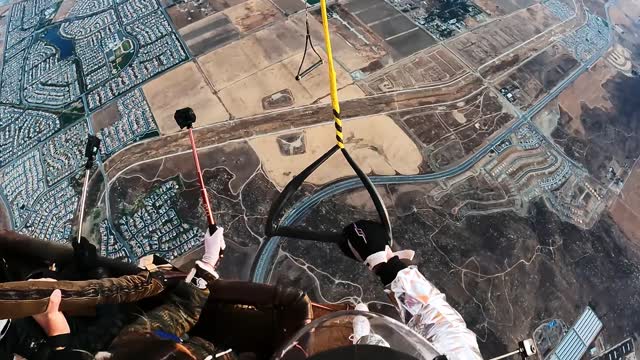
[55, 326]
[175, 316]
[46, 333]
[424, 309]
[184, 304]
[421, 305]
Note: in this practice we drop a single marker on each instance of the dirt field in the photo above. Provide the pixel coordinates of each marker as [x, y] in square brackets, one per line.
[487, 42]
[245, 97]
[182, 87]
[572, 98]
[106, 116]
[355, 47]
[536, 77]
[253, 14]
[265, 63]
[547, 119]
[624, 14]
[209, 33]
[501, 65]
[451, 132]
[503, 7]
[276, 43]
[399, 33]
[551, 66]
[251, 54]
[625, 211]
[289, 6]
[376, 143]
[620, 58]
[627, 219]
[214, 31]
[186, 12]
[431, 67]
[63, 10]
[596, 7]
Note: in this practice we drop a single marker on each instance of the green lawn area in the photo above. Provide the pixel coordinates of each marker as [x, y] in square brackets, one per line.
[71, 114]
[126, 45]
[122, 61]
[122, 55]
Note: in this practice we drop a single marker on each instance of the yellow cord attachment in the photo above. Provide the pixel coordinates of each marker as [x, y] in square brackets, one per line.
[333, 86]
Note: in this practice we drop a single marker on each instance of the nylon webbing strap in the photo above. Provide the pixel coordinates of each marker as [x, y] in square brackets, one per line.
[276, 213]
[333, 84]
[337, 122]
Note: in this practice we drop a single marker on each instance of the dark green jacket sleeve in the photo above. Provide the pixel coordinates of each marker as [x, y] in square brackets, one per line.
[176, 315]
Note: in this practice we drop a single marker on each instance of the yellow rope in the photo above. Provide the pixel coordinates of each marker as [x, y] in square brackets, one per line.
[333, 86]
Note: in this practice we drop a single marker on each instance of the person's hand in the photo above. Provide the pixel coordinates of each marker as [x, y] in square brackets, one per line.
[53, 321]
[214, 246]
[368, 241]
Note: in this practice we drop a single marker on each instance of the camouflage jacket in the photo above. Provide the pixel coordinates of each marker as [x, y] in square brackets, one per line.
[177, 315]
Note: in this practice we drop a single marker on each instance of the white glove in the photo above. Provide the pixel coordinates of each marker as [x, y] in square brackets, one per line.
[384, 256]
[214, 246]
[367, 241]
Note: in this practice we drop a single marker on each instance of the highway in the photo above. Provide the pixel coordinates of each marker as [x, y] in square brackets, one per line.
[267, 253]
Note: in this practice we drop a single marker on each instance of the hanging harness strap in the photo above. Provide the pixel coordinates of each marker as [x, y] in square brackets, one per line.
[308, 42]
[276, 212]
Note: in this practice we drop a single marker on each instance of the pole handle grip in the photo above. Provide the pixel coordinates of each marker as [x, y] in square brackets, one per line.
[212, 228]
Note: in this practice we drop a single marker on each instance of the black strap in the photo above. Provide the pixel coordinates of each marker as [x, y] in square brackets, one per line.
[277, 208]
[313, 66]
[59, 341]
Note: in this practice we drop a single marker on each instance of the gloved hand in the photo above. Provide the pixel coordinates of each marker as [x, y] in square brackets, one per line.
[214, 246]
[367, 241]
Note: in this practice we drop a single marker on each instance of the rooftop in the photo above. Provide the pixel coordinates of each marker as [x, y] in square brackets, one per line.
[576, 341]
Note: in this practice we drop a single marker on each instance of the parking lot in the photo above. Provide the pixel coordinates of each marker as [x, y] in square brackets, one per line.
[619, 351]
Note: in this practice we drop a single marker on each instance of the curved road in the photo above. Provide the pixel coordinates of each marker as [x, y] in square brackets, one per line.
[267, 253]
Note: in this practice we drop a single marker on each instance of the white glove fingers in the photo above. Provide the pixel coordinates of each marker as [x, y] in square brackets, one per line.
[405, 254]
[213, 245]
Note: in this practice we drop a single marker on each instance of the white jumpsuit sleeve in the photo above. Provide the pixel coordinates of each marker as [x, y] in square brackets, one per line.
[424, 309]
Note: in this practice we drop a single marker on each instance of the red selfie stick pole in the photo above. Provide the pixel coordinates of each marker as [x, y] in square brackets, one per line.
[185, 119]
[203, 189]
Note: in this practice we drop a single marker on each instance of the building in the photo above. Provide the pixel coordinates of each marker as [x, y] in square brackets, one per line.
[576, 341]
